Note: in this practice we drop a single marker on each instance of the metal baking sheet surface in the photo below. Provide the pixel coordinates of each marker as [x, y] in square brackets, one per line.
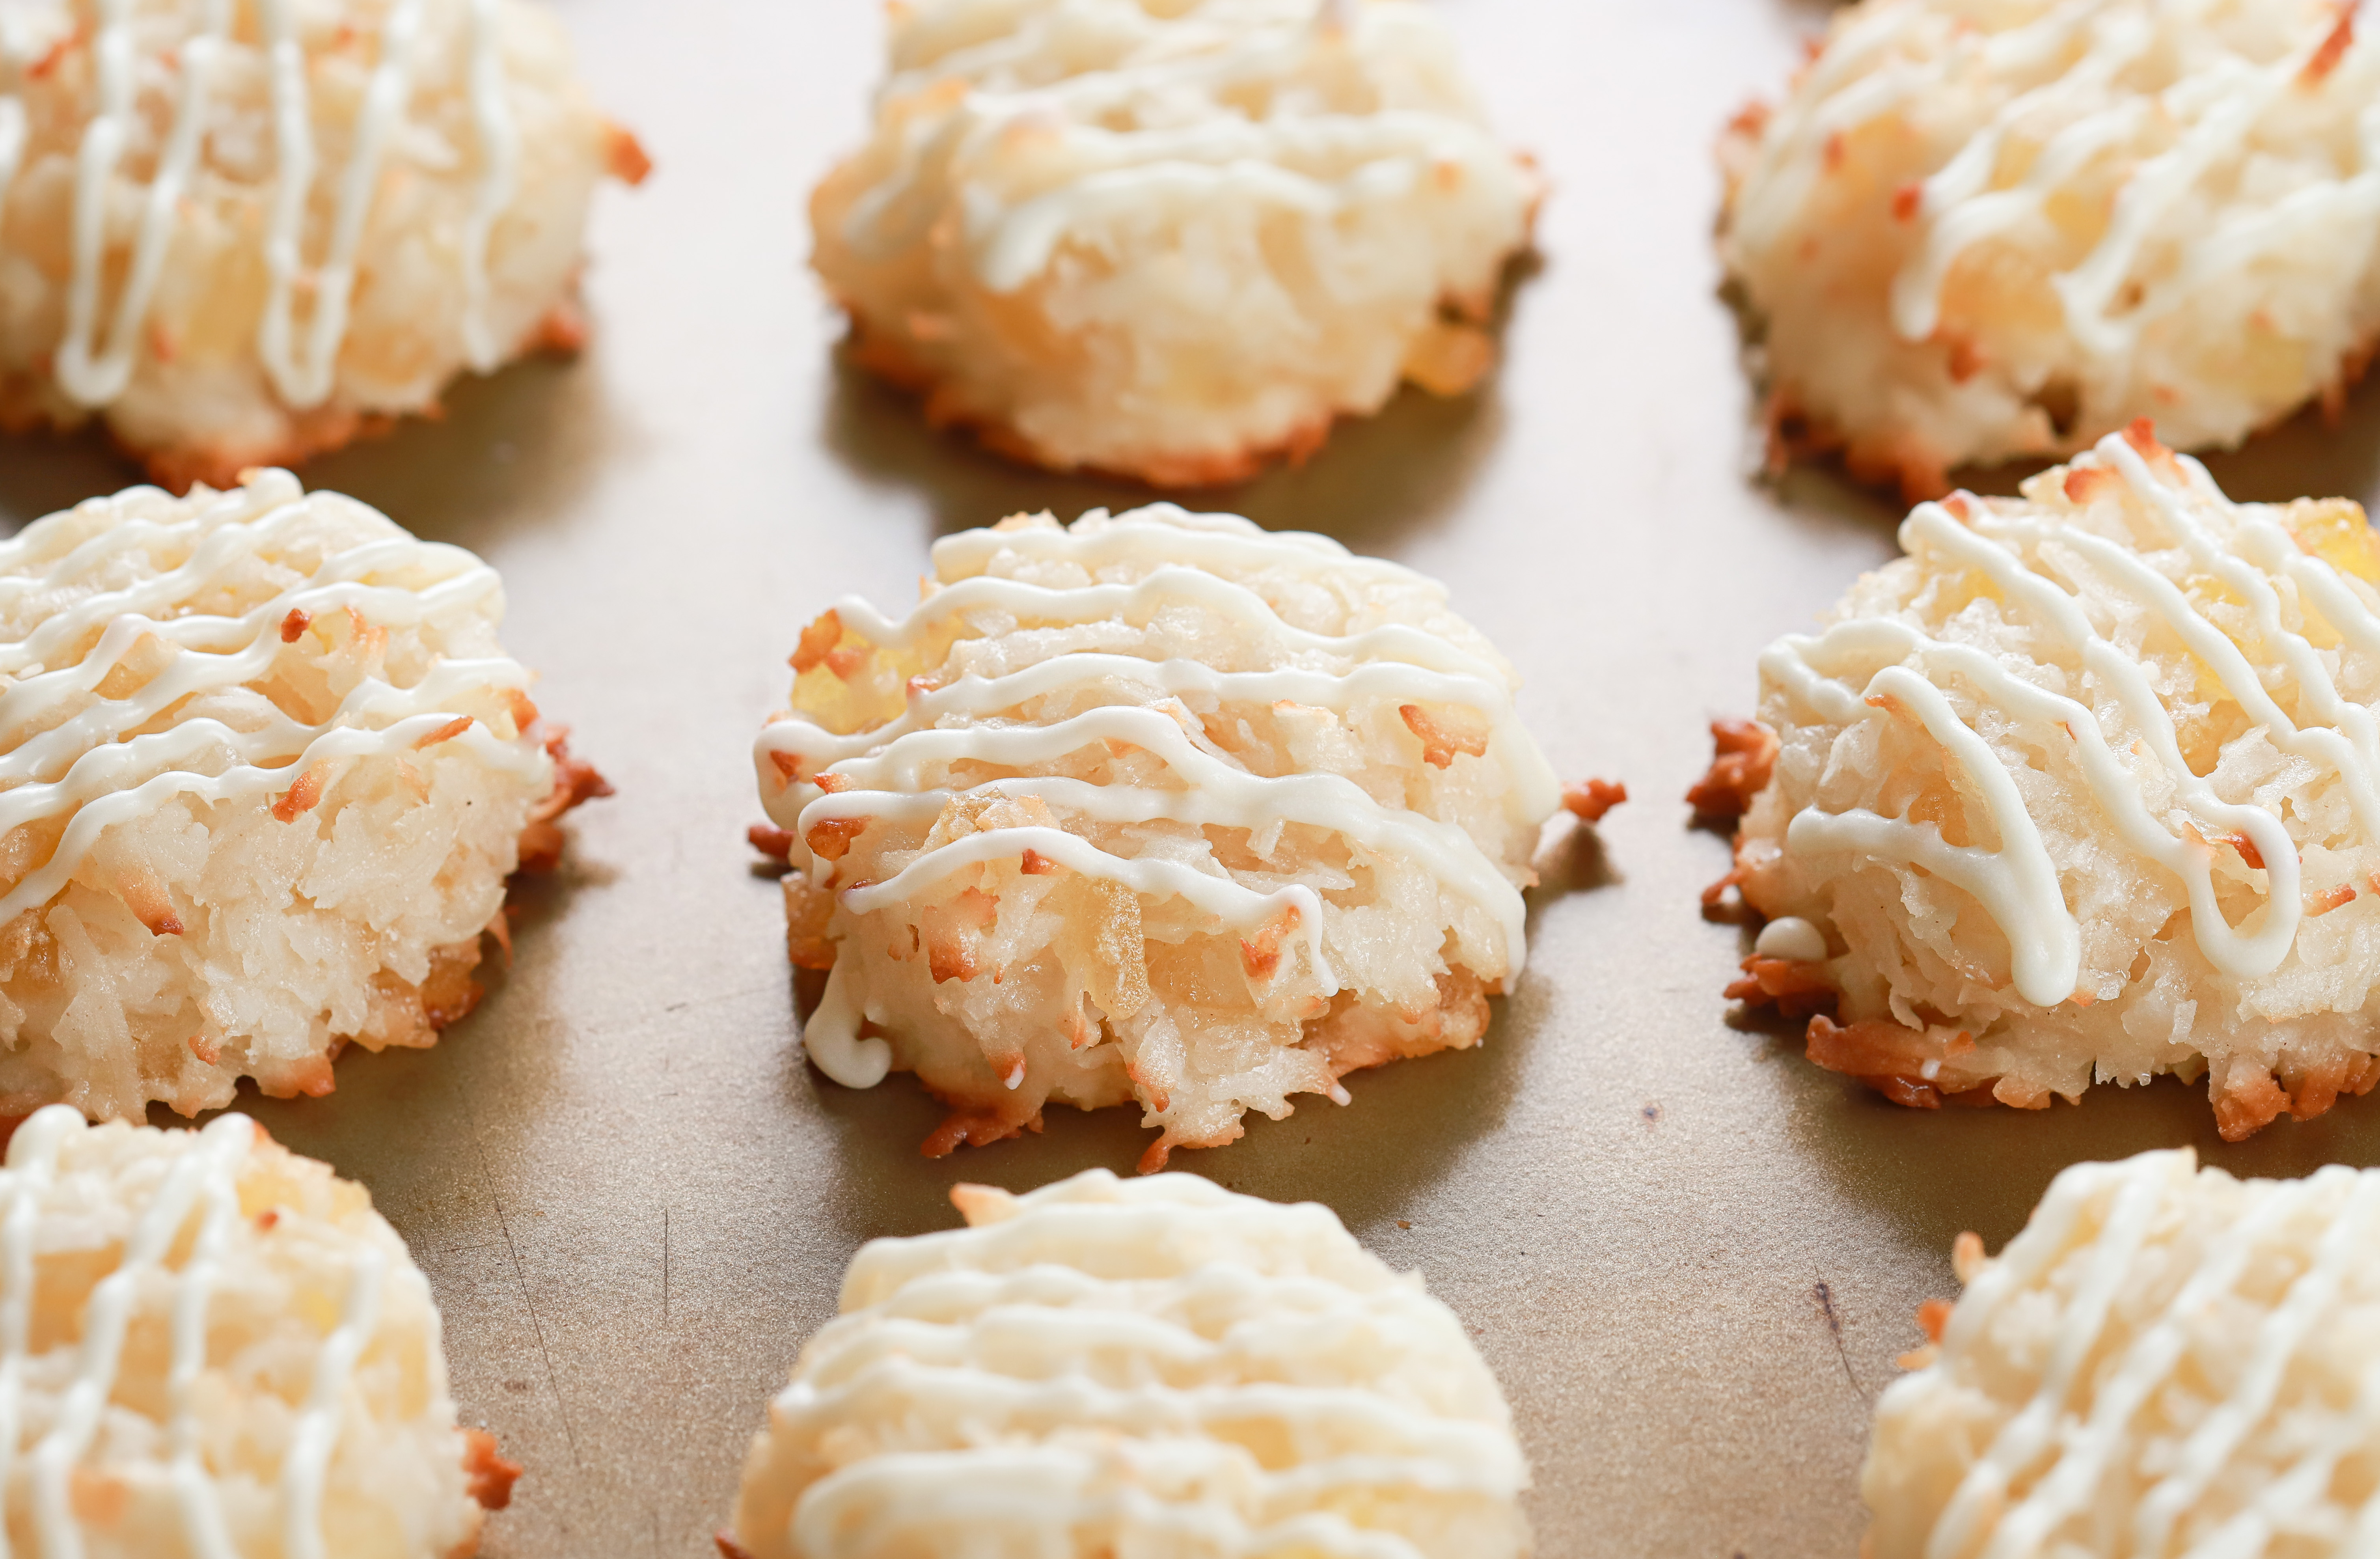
[1690, 1257]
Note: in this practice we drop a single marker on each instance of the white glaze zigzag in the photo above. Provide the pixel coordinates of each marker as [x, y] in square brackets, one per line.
[92, 770]
[95, 362]
[882, 764]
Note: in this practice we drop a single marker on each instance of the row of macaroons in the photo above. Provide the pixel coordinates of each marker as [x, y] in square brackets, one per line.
[1962, 237]
[1170, 810]
[216, 1347]
[1007, 792]
[2231, 772]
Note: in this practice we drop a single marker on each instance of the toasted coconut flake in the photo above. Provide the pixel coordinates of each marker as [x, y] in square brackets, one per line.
[1589, 800]
[1744, 755]
[1443, 734]
[490, 1478]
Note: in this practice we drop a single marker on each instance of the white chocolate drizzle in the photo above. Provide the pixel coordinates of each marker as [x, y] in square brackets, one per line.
[12, 145]
[302, 1472]
[2129, 1201]
[2017, 883]
[1316, 164]
[2215, 109]
[492, 113]
[204, 1181]
[881, 768]
[1793, 938]
[90, 373]
[95, 364]
[92, 767]
[1090, 1366]
[302, 375]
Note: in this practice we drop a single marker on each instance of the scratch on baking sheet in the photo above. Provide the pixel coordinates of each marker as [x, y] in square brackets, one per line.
[665, 1244]
[719, 996]
[1826, 1298]
[537, 1327]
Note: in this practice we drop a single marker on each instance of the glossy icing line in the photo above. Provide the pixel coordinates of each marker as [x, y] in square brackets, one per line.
[1177, 1307]
[2016, 882]
[1981, 1493]
[883, 771]
[1446, 1454]
[492, 113]
[31, 1170]
[2213, 109]
[1217, 793]
[1957, 206]
[303, 373]
[95, 363]
[92, 767]
[935, 1494]
[304, 1469]
[2125, 1200]
[1087, 123]
[92, 374]
[1090, 604]
[12, 145]
[194, 1489]
[203, 1178]
[1793, 938]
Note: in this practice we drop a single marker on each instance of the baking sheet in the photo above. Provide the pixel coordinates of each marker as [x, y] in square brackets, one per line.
[1690, 1257]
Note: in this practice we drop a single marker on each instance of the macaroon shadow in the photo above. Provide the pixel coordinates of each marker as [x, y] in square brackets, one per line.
[2314, 453]
[1376, 482]
[2311, 453]
[1933, 1172]
[370, 1088]
[514, 449]
[41, 473]
[1823, 500]
[1428, 1111]
[506, 453]
[1571, 859]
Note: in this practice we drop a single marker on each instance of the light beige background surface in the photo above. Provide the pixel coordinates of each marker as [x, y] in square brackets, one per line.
[1690, 1257]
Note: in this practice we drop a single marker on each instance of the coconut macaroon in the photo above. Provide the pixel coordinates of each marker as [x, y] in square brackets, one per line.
[238, 234]
[265, 769]
[2165, 1361]
[1983, 231]
[1104, 1367]
[2086, 787]
[1173, 241]
[210, 1346]
[1158, 807]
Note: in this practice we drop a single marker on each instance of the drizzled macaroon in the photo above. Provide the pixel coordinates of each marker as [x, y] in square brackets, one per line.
[1152, 1366]
[265, 769]
[1981, 231]
[1158, 808]
[239, 233]
[2086, 788]
[1171, 241]
[2165, 1362]
[210, 1346]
